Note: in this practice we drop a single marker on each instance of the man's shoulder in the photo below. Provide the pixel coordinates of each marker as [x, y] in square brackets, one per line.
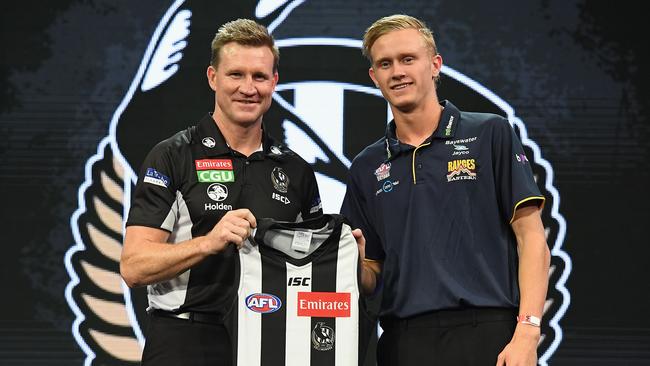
[482, 119]
[176, 143]
[287, 156]
[370, 155]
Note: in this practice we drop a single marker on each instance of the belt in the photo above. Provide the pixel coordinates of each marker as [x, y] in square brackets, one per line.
[450, 318]
[191, 316]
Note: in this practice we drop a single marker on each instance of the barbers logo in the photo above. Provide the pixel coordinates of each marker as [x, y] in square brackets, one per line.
[316, 111]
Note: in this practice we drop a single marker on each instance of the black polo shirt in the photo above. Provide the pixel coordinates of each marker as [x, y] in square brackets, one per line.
[439, 215]
[189, 181]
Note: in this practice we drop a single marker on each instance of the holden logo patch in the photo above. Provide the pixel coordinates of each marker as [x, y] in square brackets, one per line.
[263, 303]
[208, 142]
[322, 337]
[280, 180]
[217, 192]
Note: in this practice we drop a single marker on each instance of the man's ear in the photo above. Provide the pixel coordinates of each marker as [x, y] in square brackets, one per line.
[211, 73]
[436, 66]
[371, 72]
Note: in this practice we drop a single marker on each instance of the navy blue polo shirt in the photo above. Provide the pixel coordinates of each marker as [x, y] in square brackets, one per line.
[438, 215]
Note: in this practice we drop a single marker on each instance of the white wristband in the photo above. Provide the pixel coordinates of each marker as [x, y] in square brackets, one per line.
[530, 320]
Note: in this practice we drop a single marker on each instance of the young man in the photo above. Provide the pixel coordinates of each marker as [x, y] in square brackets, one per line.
[197, 197]
[449, 218]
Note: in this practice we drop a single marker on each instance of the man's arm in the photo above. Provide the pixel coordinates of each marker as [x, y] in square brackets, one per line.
[534, 261]
[147, 258]
[370, 269]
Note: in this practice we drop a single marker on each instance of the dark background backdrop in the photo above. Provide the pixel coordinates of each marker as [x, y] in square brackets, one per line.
[575, 71]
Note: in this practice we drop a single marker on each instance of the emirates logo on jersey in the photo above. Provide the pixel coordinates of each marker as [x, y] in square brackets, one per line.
[263, 303]
[324, 304]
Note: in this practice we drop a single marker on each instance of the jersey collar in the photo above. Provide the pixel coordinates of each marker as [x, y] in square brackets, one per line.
[214, 144]
[447, 126]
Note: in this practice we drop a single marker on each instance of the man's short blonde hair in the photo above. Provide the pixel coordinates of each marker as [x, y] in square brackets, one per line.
[245, 32]
[393, 23]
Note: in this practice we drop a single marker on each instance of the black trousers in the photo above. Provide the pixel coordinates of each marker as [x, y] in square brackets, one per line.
[174, 342]
[468, 337]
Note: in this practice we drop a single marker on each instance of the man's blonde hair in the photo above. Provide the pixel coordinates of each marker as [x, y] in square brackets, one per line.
[393, 23]
[245, 32]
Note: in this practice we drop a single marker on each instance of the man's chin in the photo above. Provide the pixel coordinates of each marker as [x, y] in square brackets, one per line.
[404, 106]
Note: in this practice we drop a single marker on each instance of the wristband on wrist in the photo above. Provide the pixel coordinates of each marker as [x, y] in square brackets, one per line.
[530, 320]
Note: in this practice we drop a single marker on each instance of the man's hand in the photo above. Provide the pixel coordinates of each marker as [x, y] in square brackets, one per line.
[370, 269]
[361, 243]
[522, 349]
[233, 228]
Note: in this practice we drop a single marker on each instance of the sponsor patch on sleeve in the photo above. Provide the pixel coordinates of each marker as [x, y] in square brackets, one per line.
[153, 176]
[316, 205]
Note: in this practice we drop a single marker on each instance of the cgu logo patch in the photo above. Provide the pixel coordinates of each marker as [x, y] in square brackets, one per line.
[263, 303]
[464, 169]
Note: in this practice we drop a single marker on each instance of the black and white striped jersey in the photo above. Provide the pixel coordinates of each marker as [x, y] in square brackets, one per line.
[299, 301]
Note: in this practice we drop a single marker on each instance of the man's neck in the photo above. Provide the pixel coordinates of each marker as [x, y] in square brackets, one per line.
[414, 127]
[245, 139]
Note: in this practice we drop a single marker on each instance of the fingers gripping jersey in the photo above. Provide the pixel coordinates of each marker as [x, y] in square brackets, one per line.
[299, 301]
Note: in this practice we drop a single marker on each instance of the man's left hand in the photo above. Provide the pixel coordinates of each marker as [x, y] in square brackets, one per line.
[522, 349]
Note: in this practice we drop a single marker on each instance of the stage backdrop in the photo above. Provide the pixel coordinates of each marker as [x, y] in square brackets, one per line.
[88, 87]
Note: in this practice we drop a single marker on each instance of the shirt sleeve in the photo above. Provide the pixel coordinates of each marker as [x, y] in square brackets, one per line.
[516, 184]
[355, 209]
[153, 201]
[312, 206]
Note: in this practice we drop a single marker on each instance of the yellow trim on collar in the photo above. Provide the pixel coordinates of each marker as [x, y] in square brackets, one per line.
[413, 160]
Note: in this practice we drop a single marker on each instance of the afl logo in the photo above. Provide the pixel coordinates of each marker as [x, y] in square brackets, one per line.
[263, 303]
[217, 192]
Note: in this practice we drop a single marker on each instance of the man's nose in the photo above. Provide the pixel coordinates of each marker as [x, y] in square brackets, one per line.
[247, 86]
[398, 71]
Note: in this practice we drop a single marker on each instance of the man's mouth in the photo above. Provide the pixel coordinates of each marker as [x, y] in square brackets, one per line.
[400, 86]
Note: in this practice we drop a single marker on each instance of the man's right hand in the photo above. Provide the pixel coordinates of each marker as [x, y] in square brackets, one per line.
[233, 228]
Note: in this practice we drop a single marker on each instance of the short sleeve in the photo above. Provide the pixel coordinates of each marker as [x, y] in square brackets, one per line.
[513, 173]
[355, 209]
[155, 193]
[312, 206]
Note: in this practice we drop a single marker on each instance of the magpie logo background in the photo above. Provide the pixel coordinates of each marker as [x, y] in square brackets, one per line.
[325, 108]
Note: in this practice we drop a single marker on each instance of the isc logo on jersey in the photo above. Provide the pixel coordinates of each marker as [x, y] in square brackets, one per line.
[263, 303]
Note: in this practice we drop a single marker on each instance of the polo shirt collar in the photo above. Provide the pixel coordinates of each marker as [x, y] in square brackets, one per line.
[449, 120]
[214, 144]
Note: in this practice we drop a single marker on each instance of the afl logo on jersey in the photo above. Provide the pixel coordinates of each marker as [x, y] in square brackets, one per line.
[263, 303]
